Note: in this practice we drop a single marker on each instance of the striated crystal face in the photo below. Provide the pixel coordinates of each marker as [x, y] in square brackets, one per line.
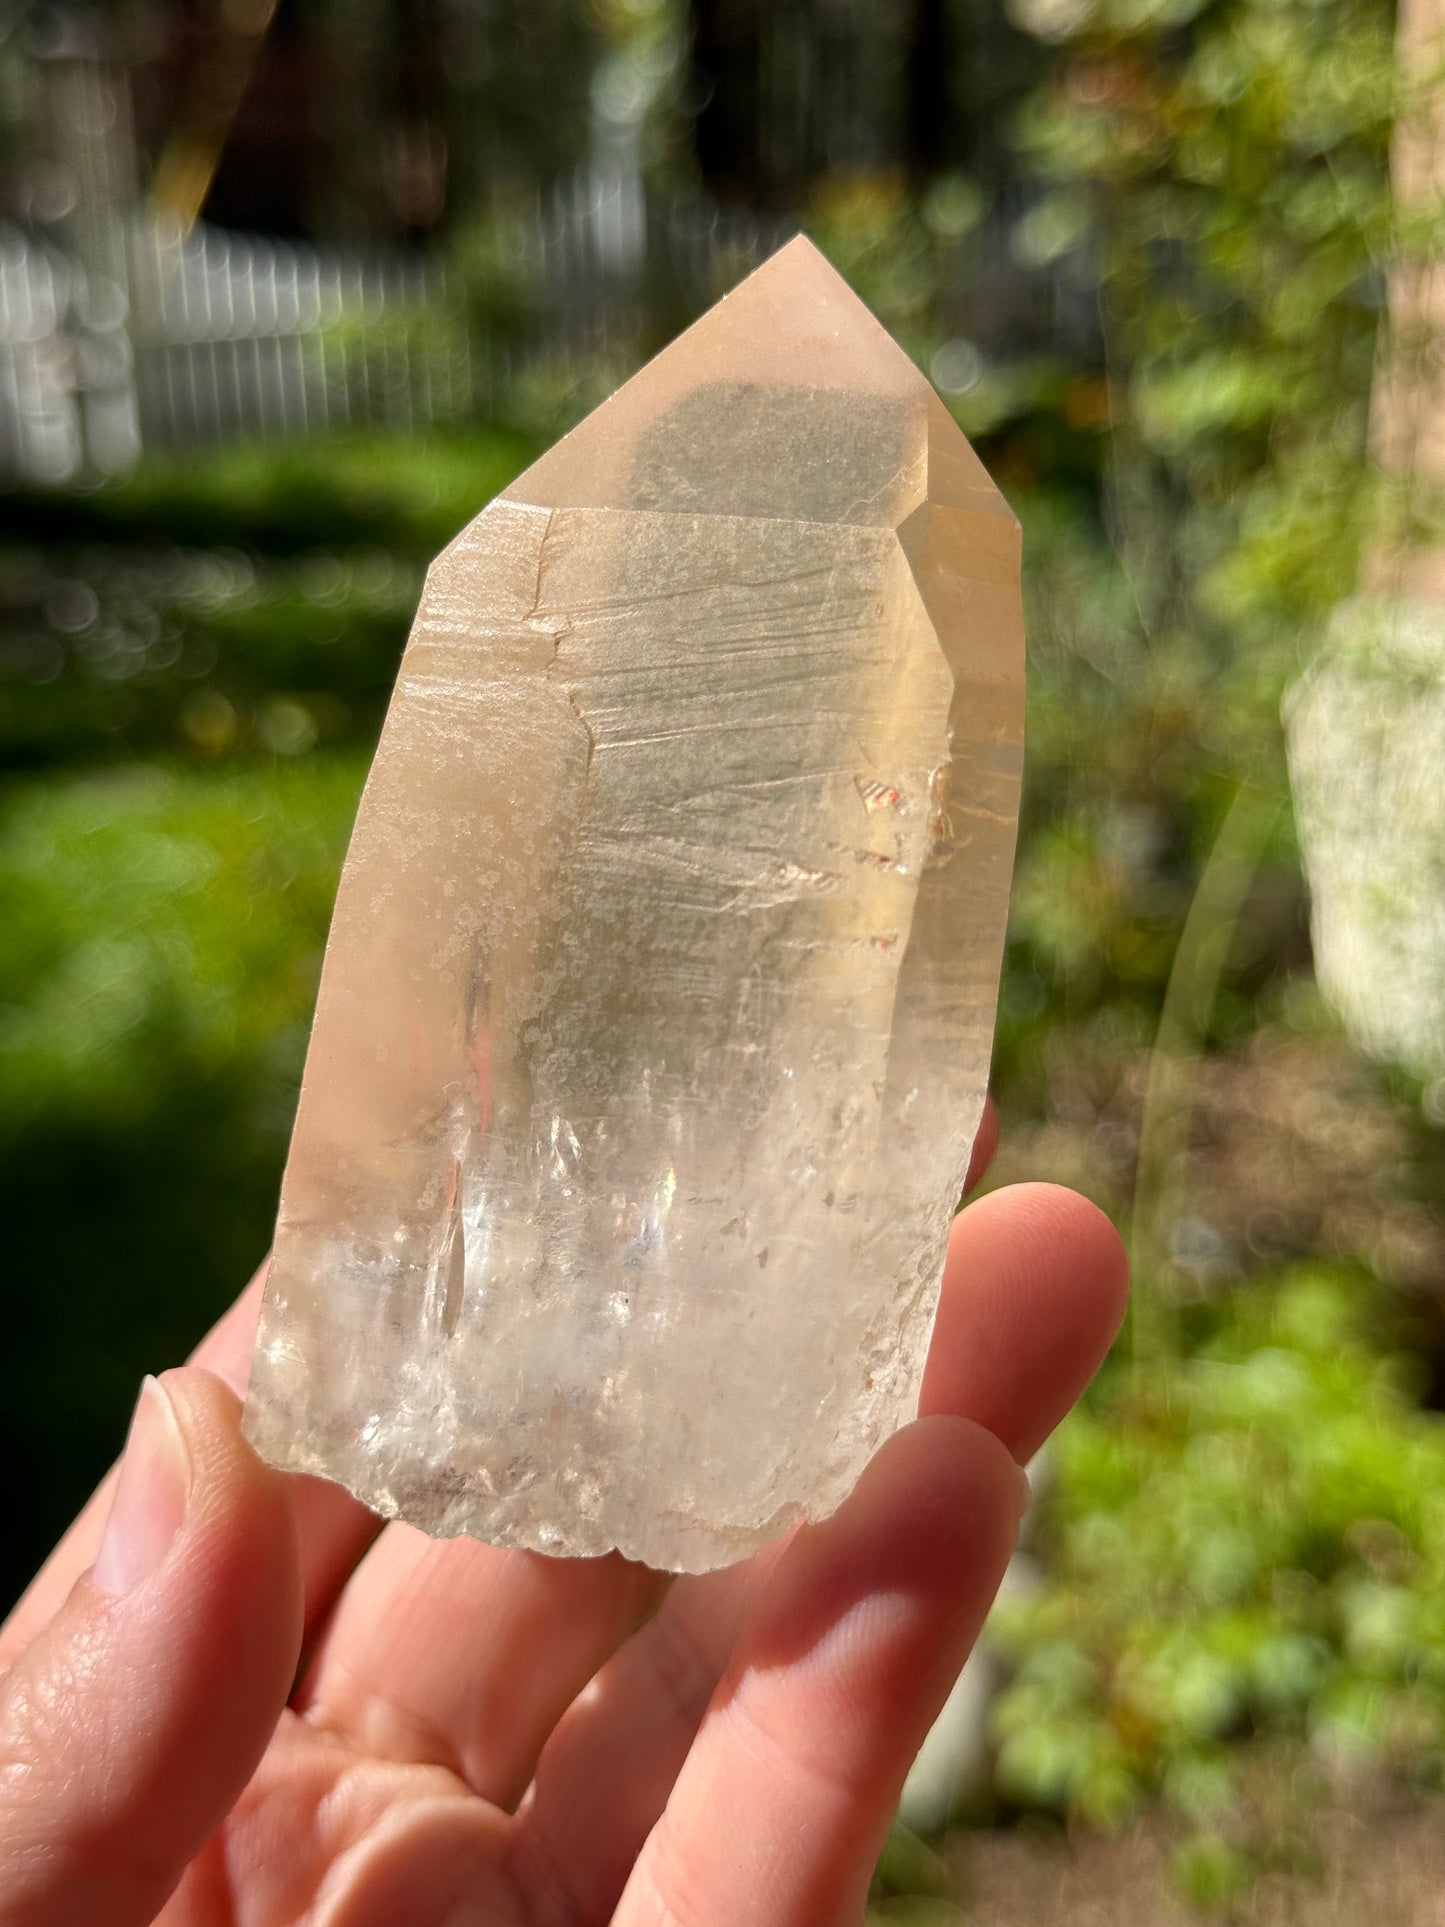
[655, 1021]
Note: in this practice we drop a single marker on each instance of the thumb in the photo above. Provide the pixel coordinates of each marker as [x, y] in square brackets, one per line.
[131, 1723]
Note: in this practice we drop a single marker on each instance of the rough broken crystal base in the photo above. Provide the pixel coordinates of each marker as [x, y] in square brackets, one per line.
[656, 1016]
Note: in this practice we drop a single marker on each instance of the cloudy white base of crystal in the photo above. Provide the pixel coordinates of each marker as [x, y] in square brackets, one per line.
[656, 1016]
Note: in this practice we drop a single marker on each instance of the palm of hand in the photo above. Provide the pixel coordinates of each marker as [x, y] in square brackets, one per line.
[485, 1739]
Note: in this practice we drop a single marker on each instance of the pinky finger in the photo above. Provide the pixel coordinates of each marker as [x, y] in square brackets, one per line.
[778, 1816]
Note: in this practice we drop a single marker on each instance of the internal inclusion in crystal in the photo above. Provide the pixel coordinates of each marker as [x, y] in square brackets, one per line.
[655, 1020]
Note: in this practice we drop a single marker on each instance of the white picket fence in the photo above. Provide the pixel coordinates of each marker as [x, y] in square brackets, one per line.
[40, 431]
[210, 337]
[237, 336]
[175, 342]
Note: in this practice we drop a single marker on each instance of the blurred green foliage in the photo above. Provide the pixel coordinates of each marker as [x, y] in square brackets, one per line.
[156, 917]
[903, 251]
[1218, 168]
[1248, 1544]
[163, 933]
[1245, 1541]
[913, 1886]
[283, 498]
[1245, 1536]
[251, 599]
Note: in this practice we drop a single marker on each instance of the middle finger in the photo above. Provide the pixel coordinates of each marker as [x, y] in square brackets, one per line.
[459, 1654]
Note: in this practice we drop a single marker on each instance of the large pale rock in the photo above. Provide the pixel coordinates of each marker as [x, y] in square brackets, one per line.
[656, 1015]
[1366, 734]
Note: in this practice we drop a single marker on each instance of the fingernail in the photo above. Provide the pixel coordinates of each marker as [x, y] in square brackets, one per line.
[149, 1507]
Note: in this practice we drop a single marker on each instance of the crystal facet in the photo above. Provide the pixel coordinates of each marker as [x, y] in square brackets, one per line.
[655, 1020]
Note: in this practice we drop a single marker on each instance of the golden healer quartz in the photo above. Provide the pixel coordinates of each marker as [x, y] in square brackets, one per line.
[655, 1020]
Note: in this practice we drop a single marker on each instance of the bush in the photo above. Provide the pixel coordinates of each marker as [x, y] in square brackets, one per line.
[1219, 170]
[251, 600]
[1247, 1544]
[163, 936]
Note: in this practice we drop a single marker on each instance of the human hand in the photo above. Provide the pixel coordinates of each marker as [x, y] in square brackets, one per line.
[482, 1738]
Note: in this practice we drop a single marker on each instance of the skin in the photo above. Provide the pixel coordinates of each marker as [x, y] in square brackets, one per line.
[255, 1708]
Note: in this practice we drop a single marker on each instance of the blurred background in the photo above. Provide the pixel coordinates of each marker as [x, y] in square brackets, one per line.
[290, 288]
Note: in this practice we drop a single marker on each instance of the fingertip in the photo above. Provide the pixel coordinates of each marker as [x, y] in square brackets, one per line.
[1088, 1241]
[1034, 1291]
[241, 1544]
[1076, 1233]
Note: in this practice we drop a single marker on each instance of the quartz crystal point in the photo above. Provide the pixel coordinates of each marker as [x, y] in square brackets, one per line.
[655, 1020]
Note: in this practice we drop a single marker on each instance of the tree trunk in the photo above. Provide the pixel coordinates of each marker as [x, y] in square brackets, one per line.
[1408, 415]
